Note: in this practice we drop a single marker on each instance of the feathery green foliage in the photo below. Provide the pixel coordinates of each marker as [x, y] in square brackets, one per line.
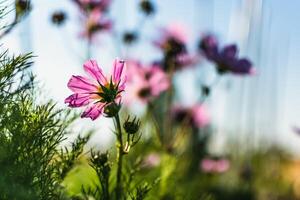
[29, 135]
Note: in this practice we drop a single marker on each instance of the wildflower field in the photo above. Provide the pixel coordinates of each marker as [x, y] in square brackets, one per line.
[149, 99]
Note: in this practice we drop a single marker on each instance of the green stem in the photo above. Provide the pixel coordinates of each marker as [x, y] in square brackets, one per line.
[120, 159]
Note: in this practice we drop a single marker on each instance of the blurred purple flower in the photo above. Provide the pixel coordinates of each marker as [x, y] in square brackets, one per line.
[209, 46]
[96, 91]
[226, 59]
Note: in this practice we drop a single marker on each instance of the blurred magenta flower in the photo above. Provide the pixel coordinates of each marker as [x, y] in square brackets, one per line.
[196, 115]
[145, 82]
[96, 91]
[95, 23]
[226, 59]
[88, 5]
[208, 165]
[172, 42]
[173, 35]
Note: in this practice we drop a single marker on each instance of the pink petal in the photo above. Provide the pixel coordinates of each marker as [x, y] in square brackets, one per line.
[78, 100]
[122, 83]
[222, 166]
[79, 84]
[92, 68]
[200, 116]
[207, 165]
[159, 81]
[117, 70]
[93, 111]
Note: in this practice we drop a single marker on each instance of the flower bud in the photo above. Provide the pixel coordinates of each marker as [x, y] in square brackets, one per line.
[131, 126]
[205, 90]
[129, 37]
[22, 7]
[112, 109]
[58, 17]
[147, 7]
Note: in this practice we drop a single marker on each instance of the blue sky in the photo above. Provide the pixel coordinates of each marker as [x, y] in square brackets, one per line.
[268, 33]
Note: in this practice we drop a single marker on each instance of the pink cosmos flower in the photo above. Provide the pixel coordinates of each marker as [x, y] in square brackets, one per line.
[196, 115]
[145, 82]
[214, 166]
[94, 23]
[172, 42]
[175, 32]
[88, 5]
[96, 91]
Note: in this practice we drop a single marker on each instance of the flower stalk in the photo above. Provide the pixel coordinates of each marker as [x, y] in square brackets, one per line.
[120, 158]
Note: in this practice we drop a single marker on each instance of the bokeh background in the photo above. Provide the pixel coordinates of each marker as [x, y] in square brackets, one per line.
[253, 111]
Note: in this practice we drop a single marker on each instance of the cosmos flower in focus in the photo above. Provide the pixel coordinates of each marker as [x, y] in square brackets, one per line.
[145, 82]
[96, 23]
[97, 92]
[209, 165]
[226, 59]
[196, 116]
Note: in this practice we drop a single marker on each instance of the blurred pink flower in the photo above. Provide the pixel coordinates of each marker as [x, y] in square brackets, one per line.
[96, 91]
[151, 160]
[200, 116]
[94, 23]
[175, 32]
[145, 82]
[172, 41]
[88, 5]
[196, 115]
[214, 166]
